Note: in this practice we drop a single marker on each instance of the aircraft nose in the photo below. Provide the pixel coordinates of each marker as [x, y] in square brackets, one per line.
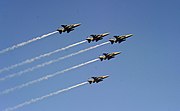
[106, 33]
[77, 24]
[130, 35]
[117, 52]
[107, 75]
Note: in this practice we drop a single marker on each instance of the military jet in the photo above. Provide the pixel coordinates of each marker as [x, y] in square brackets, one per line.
[67, 28]
[96, 37]
[97, 79]
[119, 39]
[108, 56]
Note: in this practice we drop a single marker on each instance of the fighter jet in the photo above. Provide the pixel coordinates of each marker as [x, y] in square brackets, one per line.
[108, 56]
[67, 28]
[119, 39]
[96, 37]
[97, 79]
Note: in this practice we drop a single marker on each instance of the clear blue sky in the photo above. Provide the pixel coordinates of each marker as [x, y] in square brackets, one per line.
[145, 77]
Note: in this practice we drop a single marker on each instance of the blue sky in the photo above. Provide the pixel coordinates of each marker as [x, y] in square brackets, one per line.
[144, 77]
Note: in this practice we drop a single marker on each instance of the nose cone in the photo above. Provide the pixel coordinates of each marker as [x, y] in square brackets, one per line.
[116, 53]
[76, 25]
[106, 76]
[105, 34]
[129, 35]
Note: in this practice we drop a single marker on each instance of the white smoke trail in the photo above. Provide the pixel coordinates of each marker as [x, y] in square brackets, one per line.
[27, 42]
[43, 97]
[50, 62]
[39, 57]
[46, 77]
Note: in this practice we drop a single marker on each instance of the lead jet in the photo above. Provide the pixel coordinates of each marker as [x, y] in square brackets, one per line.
[119, 39]
[96, 37]
[97, 79]
[109, 56]
[67, 28]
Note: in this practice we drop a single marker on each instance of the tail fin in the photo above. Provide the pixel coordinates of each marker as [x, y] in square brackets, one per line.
[63, 26]
[101, 58]
[90, 82]
[105, 54]
[60, 31]
[89, 40]
[116, 37]
[112, 41]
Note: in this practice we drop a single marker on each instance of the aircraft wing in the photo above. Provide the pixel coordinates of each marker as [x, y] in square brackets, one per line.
[110, 57]
[69, 30]
[119, 41]
[99, 80]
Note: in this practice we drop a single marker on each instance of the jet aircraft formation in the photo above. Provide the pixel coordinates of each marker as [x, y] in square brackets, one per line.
[96, 38]
[63, 29]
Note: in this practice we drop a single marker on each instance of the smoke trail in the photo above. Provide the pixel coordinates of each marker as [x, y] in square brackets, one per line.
[27, 42]
[39, 57]
[43, 97]
[50, 62]
[46, 77]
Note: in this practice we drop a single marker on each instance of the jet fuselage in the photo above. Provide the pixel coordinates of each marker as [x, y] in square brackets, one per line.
[107, 56]
[96, 37]
[67, 28]
[119, 39]
[97, 79]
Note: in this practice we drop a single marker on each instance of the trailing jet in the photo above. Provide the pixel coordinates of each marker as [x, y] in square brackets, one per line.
[96, 37]
[108, 56]
[119, 39]
[67, 28]
[97, 79]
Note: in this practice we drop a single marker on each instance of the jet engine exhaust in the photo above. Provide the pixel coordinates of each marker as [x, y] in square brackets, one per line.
[50, 62]
[44, 97]
[28, 61]
[27, 42]
[46, 77]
